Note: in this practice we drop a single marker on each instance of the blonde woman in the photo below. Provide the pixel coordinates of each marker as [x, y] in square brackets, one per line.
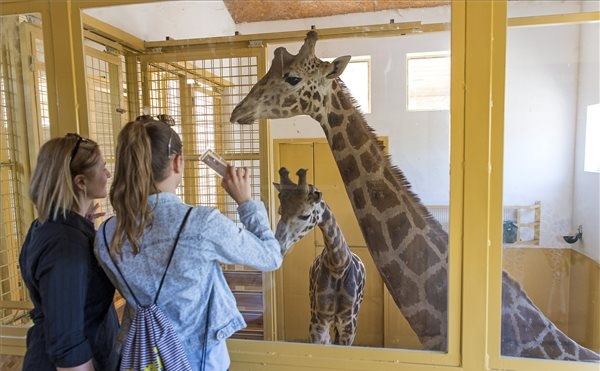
[74, 320]
[194, 296]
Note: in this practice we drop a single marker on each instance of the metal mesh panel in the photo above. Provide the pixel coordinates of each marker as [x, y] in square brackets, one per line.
[42, 90]
[12, 157]
[104, 107]
[200, 95]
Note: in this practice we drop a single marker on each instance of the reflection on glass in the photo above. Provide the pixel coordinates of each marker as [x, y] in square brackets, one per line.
[551, 83]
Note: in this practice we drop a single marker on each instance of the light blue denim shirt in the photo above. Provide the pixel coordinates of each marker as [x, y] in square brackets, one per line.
[208, 238]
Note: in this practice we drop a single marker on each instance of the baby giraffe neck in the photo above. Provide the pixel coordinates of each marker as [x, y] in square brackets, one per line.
[336, 253]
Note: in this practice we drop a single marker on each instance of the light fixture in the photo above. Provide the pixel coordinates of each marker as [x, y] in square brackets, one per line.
[574, 238]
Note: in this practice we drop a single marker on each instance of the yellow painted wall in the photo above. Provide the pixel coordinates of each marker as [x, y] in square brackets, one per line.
[380, 323]
[584, 308]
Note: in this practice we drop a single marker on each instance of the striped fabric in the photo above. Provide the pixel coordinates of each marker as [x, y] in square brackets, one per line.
[152, 344]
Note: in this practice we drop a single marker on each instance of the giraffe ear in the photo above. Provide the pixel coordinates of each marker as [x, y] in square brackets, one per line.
[277, 186]
[335, 68]
[316, 195]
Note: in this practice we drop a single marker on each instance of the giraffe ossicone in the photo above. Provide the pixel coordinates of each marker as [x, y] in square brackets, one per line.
[409, 247]
[337, 275]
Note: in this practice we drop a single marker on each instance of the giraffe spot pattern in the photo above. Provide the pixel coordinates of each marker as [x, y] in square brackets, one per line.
[425, 325]
[334, 119]
[369, 163]
[387, 174]
[439, 239]
[338, 142]
[436, 290]
[346, 104]
[508, 343]
[409, 294]
[334, 102]
[350, 170]
[529, 324]
[398, 227]
[359, 198]
[569, 346]
[417, 219]
[549, 345]
[303, 104]
[417, 257]
[357, 136]
[534, 352]
[289, 101]
[373, 233]
[380, 195]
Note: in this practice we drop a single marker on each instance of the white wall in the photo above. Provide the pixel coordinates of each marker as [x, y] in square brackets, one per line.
[541, 99]
[547, 89]
[586, 198]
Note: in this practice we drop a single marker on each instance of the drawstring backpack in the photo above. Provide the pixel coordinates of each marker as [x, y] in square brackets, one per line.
[152, 343]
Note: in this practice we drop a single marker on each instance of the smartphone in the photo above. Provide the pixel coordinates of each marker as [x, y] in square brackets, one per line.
[215, 162]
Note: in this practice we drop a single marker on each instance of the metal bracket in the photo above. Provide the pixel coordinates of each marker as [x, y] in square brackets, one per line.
[255, 44]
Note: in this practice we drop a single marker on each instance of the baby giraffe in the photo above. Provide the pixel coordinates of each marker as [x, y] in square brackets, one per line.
[337, 275]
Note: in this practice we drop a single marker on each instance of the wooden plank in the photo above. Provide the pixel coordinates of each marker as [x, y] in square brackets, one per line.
[249, 300]
[244, 278]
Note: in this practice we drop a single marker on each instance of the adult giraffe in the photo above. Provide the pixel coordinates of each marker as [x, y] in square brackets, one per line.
[409, 247]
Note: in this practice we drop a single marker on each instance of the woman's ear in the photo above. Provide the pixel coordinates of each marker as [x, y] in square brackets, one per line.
[79, 182]
[177, 163]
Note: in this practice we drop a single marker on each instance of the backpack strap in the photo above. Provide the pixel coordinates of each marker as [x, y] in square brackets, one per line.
[187, 214]
[115, 263]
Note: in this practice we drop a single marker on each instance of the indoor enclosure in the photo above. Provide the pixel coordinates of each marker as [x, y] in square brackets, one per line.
[460, 162]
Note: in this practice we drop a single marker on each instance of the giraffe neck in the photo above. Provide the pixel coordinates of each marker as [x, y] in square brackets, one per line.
[336, 254]
[527, 332]
[408, 246]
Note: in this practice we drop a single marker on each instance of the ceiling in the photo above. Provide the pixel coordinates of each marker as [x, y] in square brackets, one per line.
[189, 19]
[243, 11]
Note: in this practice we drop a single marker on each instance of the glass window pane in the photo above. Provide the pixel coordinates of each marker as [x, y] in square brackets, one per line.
[551, 240]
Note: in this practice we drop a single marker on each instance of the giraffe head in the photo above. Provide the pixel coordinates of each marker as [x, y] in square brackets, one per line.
[294, 85]
[300, 207]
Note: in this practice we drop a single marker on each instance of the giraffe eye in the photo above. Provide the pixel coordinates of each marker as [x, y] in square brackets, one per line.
[292, 80]
[304, 217]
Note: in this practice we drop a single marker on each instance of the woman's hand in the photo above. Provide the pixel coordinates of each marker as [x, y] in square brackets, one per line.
[91, 213]
[237, 184]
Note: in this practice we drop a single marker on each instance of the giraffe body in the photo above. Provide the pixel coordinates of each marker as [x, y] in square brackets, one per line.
[337, 275]
[409, 247]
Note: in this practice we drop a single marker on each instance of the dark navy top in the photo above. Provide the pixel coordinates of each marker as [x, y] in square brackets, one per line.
[74, 319]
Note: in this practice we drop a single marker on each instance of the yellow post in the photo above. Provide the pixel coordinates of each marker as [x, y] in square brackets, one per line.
[484, 79]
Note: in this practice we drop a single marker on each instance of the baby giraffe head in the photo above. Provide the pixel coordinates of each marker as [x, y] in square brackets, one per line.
[301, 208]
[295, 85]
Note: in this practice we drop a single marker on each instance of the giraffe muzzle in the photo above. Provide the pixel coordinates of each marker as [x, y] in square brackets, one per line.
[239, 116]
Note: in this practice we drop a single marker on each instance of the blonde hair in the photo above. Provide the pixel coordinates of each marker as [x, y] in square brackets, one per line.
[143, 154]
[52, 187]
